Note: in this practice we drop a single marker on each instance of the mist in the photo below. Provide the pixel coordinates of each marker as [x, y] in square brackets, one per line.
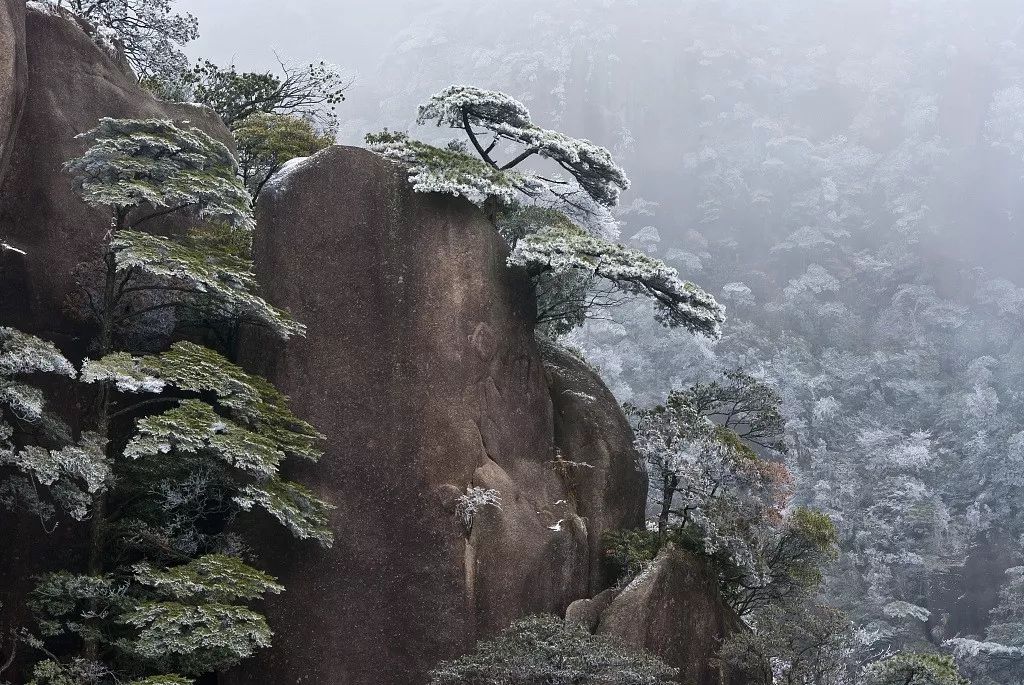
[845, 177]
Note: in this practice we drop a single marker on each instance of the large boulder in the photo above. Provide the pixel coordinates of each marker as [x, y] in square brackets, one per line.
[595, 442]
[12, 73]
[674, 610]
[421, 367]
[72, 80]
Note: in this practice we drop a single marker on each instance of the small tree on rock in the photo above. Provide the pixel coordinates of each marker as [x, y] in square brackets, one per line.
[266, 141]
[576, 273]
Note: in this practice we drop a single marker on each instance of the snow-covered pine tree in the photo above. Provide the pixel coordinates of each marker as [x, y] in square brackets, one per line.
[577, 273]
[164, 589]
[914, 668]
[49, 472]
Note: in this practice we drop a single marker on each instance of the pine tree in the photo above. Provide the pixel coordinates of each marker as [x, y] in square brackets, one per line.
[545, 649]
[576, 273]
[911, 668]
[183, 439]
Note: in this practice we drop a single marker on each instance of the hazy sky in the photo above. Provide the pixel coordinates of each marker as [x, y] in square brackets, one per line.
[345, 32]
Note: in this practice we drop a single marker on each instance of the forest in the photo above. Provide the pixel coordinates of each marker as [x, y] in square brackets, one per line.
[511, 343]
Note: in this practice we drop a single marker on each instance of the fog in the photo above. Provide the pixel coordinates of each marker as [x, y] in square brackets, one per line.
[845, 176]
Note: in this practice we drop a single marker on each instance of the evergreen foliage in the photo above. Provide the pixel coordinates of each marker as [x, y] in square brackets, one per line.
[266, 141]
[449, 170]
[562, 251]
[545, 649]
[912, 668]
[792, 644]
[309, 91]
[507, 120]
[183, 618]
[151, 163]
[576, 273]
[178, 441]
[715, 494]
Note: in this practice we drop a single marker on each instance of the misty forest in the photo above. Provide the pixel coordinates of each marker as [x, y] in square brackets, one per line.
[575, 342]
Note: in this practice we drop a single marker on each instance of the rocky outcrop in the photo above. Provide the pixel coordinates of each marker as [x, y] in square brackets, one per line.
[12, 73]
[66, 84]
[70, 83]
[674, 610]
[421, 367]
[595, 442]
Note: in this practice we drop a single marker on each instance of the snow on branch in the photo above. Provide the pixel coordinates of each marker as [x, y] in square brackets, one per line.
[506, 119]
[562, 248]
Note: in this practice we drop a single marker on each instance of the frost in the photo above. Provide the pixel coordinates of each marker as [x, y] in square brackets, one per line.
[562, 248]
[194, 427]
[155, 162]
[447, 171]
[465, 107]
[122, 369]
[294, 506]
[215, 577]
[279, 181]
[964, 647]
[901, 609]
[738, 292]
[226, 279]
[476, 498]
[596, 179]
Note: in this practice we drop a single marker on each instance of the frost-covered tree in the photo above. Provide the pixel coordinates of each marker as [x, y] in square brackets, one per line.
[181, 439]
[912, 668]
[712, 491]
[577, 274]
[998, 659]
[701, 441]
[187, 619]
[545, 649]
[504, 120]
[150, 32]
[792, 643]
[49, 473]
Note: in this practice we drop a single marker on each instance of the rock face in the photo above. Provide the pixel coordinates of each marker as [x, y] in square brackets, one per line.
[674, 611]
[421, 367]
[592, 433]
[12, 73]
[70, 83]
[66, 84]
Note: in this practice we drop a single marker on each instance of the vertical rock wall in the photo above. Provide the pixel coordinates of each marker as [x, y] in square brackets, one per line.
[421, 367]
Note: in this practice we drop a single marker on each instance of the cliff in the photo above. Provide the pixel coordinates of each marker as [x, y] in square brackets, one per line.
[420, 366]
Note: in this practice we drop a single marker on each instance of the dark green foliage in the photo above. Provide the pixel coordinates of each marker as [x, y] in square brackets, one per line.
[546, 650]
[743, 404]
[912, 668]
[791, 644]
[183, 619]
[627, 552]
[312, 91]
[265, 141]
[184, 440]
